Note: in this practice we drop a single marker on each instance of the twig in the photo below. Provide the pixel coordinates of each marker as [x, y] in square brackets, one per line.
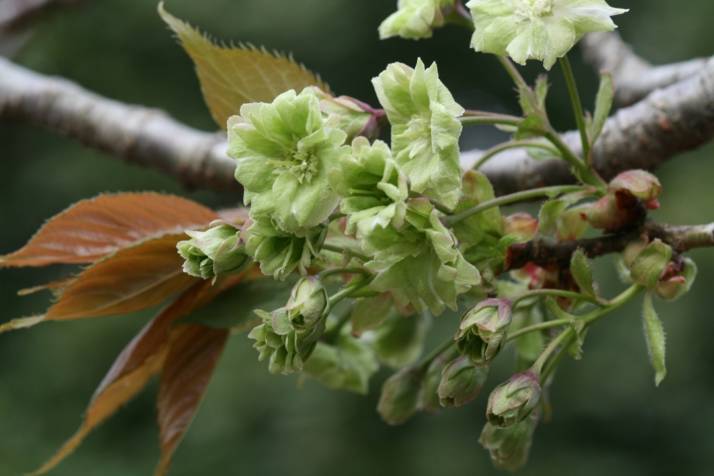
[634, 77]
[547, 252]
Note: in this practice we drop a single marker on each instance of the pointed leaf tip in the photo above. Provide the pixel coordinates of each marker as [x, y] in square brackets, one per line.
[233, 76]
[21, 323]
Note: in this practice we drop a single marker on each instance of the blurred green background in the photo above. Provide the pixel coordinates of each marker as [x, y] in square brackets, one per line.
[608, 419]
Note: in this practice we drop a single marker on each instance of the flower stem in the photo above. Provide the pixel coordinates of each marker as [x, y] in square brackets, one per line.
[339, 249]
[576, 104]
[330, 272]
[514, 144]
[513, 72]
[426, 361]
[490, 119]
[537, 327]
[565, 336]
[583, 171]
[348, 290]
[512, 198]
[555, 293]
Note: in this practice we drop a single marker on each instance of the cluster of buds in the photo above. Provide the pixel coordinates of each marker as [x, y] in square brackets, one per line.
[483, 329]
[215, 251]
[288, 335]
[628, 197]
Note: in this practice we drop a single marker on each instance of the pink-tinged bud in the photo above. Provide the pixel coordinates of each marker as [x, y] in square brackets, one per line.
[521, 225]
[513, 400]
[677, 279]
[461, 382]
[614, 211]
[483, 329]
[640, 184]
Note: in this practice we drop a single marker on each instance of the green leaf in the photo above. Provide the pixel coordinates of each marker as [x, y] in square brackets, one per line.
[235, 308]
[603, 105]
[548, 215]
[541, 90]
[655, 338]
[233, 76]
[583, 275]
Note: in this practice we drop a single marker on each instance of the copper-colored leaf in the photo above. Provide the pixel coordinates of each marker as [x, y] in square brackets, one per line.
[142, 358]
[134, 278]
[192, 357]
[94, 228]
[232, 76]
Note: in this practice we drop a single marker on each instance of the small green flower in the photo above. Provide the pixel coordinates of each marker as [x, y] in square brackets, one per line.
[283, 151]
[420, 264]
[280, 253]
[215, 251]
[374, 191]
[414, 19]
[285, 348]
[543, 30]
[425, 129]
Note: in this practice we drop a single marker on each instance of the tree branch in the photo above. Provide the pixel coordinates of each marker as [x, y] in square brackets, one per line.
[634, 77]
[669, 121]
[548, 252]
[147, 137]
[17, 18]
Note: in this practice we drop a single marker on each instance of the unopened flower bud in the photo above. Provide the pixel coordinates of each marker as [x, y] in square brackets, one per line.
[650, 264]
[513, 400]
[677, 279]
[429, 398]
[523, 226]
[461, 382]
[613, 212]
[509, 447]
[640, 184]
[215, 251]
[483, 329]
[400, 395]
[307, 303]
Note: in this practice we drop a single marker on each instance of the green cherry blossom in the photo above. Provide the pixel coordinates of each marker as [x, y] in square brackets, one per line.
[543, 30]
[420, 264]
[414, 19]
[373, 188]
[425, 129]
[283, 151]
[280, 253]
